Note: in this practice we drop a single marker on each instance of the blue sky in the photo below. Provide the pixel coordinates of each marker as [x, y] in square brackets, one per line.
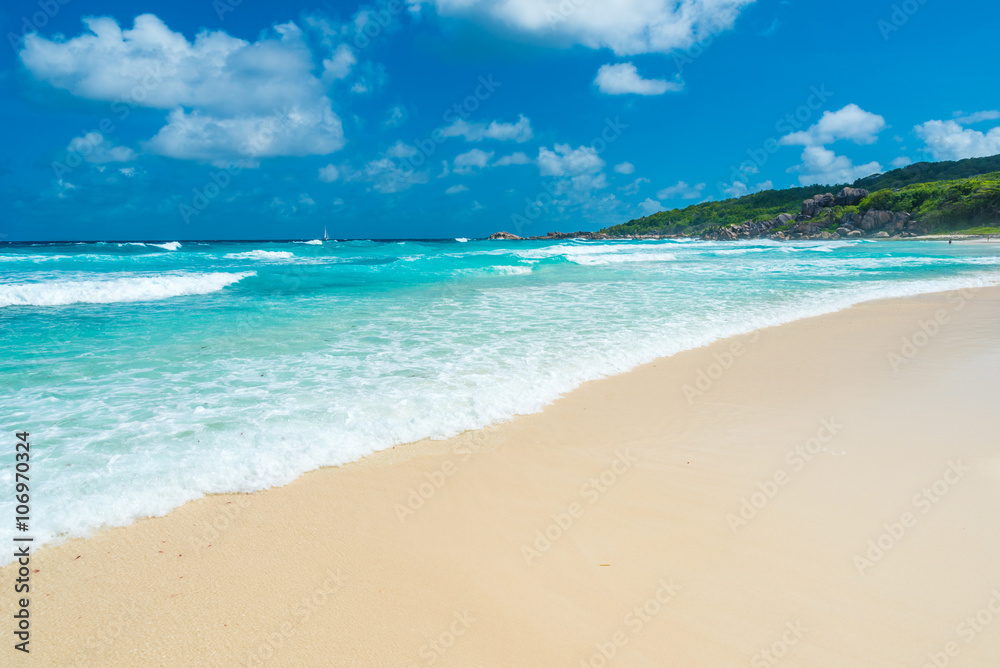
[457, 118]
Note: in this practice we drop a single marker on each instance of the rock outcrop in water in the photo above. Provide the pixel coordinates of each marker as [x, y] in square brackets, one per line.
[504, 236]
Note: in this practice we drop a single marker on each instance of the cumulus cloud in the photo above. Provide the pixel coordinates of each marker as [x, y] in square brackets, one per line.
[227, 98]
[470, 161]
[401, 150]
[329, 174]
[95, 148]
[388, 175]
[681, 190]
[650, 206]
[516, 158]
[822, 166]
[564, 160]
[625, 168]
[627, 27]
[739, 188]
[454, 190]
[851, 123]
[624, 78]
[339, 65]
[580, 168]
[948, 140]
[519, 132]
[901, 161]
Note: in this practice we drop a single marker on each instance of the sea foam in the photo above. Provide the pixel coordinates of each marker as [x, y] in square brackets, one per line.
[134, 288]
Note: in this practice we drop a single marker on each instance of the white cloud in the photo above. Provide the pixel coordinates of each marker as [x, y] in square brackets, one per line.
[650, 206]
[901, 161]
[588, 182]
[454, 190]
[390, 176]
[371, 77]
[947, 140]
[627, 27]
[339, 65]
[681, 190]
[977, 117]
[581, 169]
[739, 188]
[624, 78]
[633, 188]
[228, 99]
[625, 168]
[518, 132]
[852, 123]
[567, 161]
[470, 161]
[397, 116]
[93, 147]
[823, 166]
[401, 150]
[516, 158]
[329, 174]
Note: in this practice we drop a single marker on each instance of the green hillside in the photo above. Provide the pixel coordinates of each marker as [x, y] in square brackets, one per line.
[945, 195]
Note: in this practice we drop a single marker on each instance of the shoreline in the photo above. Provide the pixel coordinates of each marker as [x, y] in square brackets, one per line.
[502, 533]
[778, 322]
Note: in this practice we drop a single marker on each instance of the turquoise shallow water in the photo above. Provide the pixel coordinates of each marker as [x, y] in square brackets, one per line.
[150, 374]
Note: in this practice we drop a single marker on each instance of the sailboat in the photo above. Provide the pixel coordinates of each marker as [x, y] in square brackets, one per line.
[326, 237]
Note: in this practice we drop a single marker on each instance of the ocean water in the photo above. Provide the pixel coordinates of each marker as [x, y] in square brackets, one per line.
[151, 374]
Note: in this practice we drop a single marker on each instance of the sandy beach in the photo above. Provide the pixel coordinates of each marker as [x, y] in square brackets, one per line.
[818, 494]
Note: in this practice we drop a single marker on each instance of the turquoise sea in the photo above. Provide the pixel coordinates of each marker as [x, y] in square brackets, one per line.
[150, 374]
